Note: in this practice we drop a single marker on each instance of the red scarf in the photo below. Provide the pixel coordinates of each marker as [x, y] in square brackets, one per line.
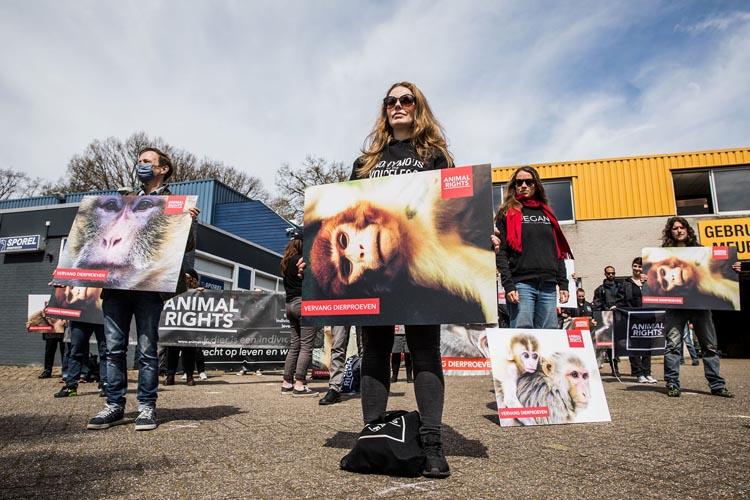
[513, 224]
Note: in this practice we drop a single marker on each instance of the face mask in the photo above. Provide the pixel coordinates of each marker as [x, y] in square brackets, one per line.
[145, 172]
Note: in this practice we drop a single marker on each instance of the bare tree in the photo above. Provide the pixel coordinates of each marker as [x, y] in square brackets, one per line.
[109, 164]
[17, 184]
[291, 183]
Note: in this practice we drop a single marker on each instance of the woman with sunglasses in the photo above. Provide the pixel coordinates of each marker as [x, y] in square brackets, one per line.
[406, 138]
[532, 253]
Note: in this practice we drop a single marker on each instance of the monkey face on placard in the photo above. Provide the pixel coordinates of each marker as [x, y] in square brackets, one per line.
[671, 274]
[357, 242]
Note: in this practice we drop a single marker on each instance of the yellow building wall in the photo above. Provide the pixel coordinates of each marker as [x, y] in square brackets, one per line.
[640, 186]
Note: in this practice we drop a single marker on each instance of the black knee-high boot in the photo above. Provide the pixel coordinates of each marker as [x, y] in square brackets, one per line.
[396, 365]
[407, 365]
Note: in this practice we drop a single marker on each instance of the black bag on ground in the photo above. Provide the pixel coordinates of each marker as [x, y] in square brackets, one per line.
[390, 445]
[350, 380]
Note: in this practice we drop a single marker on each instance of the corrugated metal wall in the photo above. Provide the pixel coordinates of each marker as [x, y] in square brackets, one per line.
[37, 201]
[628, 187]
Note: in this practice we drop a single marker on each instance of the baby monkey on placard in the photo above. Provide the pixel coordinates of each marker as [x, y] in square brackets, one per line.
[523, 357]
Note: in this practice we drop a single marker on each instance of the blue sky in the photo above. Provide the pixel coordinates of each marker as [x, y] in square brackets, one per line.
[256, 84]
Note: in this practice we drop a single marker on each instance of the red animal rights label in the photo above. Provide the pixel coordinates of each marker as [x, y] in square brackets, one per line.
[343, 307]
[456, 182]
[575, 339]
[175, 205]
[581, 323]
[68, 313]
[81, 274]
[40, 329]
[478, 364]
[653, 299]
[530, 412]
[720, 253]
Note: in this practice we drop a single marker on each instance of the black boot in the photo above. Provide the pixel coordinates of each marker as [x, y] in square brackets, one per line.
[395, 366]
[435, 464]
[407, 365]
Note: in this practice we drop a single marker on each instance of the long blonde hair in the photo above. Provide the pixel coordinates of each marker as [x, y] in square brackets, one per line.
[510, 201]
[427, 135]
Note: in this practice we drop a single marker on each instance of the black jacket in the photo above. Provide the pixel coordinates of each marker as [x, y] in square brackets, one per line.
[538, 262]
[292, 281]
[605, 295]
[586, 310]
[630, 295]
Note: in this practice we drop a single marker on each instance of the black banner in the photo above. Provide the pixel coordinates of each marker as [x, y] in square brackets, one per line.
[639, 332]
[232, 319]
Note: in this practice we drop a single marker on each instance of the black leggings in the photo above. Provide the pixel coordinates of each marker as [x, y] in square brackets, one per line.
[429, 385]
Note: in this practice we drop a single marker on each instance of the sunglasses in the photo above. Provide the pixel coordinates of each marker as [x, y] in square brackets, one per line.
[528, 182]
[406, 100]
[609, 274]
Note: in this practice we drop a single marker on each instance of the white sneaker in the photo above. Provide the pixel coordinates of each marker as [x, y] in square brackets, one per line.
[241, 372]
[643, 380]
[184, 376]
[651, 380]
[203, 376]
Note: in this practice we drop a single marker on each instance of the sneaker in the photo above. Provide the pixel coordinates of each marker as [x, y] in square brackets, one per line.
[695, 362]
[66, 392]
[203, 376]
[241, 372]
[146, 419]
[673, 391]
[287, 391]
[111, 415]
[435, 464]
[306, 392]
[184, 376]
[331, 397]
[651, 380]
[45, 374]
[169, 380]
[642, 380]
[102, 392]
[723, 393]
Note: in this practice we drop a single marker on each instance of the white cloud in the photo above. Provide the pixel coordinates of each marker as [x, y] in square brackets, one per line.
[257, 84]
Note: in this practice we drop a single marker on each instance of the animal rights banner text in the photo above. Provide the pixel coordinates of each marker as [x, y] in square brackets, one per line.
[127, 243]
[691, 278]
[227, 318]
[76, 303]
[639, 332]
[406, 249]
[546, 377]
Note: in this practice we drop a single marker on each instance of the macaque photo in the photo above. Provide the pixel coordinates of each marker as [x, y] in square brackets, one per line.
[127, 243]
[78, 303]
[408, 249]
[691, 278]
[545, 377]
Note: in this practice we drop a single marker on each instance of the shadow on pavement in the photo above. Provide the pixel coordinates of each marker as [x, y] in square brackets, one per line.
[454, 443]
[197, 413]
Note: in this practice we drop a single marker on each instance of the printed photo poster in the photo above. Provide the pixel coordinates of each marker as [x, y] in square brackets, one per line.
[405, 249]
[572, 287]
[603, 324]
[546, 377]
[691, 278]
[464, 350]
[77, 303]
[127, 243]
[235, 319]
[37, 320]
[639, 332]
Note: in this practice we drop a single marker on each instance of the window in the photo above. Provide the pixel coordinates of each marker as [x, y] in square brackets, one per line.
[559, 194]
[699, 192]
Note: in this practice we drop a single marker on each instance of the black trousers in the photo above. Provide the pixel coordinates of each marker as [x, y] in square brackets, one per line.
[188, 359]
[429, 385]
[640, 366]
[50, 347]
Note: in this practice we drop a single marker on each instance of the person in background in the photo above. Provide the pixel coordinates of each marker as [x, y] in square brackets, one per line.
[188, 353]
[80, 334]
[299, 356]
[52, 339]
[605, 295]
[340, 336]
[532, 254]
[678, 233]
[400, 347]
[630, 296]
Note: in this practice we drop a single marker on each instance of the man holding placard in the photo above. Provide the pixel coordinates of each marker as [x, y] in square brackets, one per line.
[120, 305]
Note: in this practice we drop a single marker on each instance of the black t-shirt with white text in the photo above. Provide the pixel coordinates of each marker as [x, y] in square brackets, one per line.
[400, 157]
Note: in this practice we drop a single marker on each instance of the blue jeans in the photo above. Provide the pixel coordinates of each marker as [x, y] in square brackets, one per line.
[687, 337]
[705, 332]
[537, 306]
[119, 306]
[80, 334]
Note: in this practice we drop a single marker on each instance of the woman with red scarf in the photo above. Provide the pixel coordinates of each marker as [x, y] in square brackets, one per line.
[532, 252]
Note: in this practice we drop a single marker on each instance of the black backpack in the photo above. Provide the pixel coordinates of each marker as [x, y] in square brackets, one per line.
[390, 445]
[350, 381]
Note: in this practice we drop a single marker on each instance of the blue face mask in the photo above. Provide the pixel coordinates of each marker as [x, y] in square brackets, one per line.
[145, 172]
